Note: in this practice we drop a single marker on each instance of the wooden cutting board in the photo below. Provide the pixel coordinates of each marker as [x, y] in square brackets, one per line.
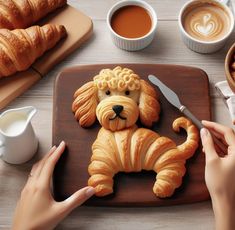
[79, 29]
[133, 189]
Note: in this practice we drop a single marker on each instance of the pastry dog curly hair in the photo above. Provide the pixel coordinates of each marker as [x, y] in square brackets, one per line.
[117, 98]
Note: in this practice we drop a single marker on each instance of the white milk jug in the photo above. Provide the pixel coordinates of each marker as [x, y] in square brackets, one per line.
[18, 142]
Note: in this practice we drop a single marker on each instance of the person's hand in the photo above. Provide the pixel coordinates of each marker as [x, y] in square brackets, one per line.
[220, 173]
[36, 208]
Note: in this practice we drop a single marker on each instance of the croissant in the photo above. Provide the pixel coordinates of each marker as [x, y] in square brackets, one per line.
[19, 48]
[135, 149]
[24, 13]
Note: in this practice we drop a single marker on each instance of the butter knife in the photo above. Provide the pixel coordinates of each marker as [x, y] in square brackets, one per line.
[172, 97]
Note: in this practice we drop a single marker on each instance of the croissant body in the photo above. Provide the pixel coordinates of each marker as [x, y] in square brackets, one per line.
[19, 48]
[16, 14]
[135, 149]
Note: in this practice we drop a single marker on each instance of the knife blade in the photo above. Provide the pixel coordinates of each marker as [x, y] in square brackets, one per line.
[172, 97]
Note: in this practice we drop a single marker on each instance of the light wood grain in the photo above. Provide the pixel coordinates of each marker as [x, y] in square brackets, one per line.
[167, 48]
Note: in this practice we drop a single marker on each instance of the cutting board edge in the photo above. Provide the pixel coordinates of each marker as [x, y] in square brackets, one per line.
[205, 197]
[149, 204]
[24, 86]
[71, 68]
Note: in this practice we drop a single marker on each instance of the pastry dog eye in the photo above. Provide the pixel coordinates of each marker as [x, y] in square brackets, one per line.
[107, 92]
[127, 92]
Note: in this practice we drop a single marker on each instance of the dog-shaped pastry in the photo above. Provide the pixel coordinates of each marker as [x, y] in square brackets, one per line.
[118, 98]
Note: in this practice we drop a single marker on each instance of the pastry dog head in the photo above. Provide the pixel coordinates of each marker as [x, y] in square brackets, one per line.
[117, 98]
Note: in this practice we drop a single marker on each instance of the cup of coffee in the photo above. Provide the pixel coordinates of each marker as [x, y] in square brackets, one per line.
[205, 25]
[132, 24]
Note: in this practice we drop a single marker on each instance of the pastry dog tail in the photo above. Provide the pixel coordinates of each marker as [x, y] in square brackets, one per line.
[192, 135]
[170, 167]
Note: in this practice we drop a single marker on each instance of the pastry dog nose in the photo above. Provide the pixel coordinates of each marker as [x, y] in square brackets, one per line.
[117, 109]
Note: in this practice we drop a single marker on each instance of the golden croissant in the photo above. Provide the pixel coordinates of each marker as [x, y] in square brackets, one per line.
[19, 48]
[136, 149]
[118, 98]
[19, 14]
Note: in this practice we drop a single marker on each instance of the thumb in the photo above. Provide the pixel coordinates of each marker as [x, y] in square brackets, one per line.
[208, 144]
[78, 198]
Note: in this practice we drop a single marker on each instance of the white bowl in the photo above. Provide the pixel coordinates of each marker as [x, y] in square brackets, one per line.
[132, 44]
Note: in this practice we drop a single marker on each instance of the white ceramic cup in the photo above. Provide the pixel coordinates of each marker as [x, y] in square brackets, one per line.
[132, 44]
[199, 45]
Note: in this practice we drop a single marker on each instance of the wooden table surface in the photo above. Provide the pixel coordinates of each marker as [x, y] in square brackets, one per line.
[166, 48]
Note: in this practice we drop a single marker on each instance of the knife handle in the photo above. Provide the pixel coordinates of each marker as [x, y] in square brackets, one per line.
[188, 114]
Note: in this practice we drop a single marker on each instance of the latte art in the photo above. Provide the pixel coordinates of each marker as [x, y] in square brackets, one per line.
[208, 25]
[206, 22]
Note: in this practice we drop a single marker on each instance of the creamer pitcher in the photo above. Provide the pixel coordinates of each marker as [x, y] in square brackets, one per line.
[18, 142]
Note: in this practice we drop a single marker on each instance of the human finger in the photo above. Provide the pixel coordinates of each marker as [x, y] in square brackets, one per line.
[228, 133]
[208, 144]
[209, 125]
[77, 199]
[219, 136]
[36, 169]
[49, 165]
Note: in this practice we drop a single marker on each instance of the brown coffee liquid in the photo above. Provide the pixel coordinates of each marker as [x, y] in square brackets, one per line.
[131, 21]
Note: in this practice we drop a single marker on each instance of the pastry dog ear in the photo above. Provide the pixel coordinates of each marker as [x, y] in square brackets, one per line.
[85, 103]
[148, 104]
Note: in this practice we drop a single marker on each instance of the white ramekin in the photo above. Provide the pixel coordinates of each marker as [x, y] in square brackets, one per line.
[132, 44]
[203, 46]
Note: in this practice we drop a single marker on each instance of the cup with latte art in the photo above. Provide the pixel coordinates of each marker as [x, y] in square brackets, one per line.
[205, 25]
